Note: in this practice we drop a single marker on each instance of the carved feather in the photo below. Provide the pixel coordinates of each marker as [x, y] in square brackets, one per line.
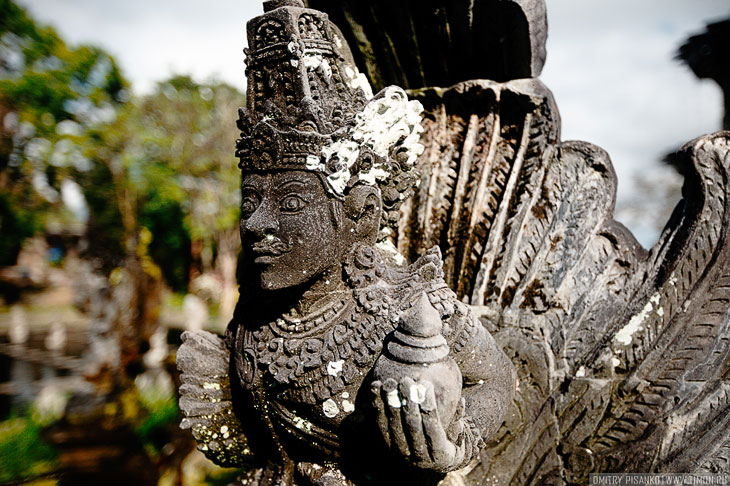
[607, 353]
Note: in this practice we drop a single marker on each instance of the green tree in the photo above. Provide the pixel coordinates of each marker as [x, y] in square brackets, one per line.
[50, 94]
[163, 162]
[192, 131]
[170, 153]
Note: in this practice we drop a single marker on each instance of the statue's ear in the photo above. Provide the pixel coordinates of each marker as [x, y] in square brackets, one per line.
[363, 205]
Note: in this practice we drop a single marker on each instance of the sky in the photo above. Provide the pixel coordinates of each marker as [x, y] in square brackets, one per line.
[610, 66]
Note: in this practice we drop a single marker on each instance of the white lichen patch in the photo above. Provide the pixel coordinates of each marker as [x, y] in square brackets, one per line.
[311, 60]
[334, 368]
[417, 393]
[359, 81]
[389, 119]
[373, 175]
[312, 162]
[625, 335]
[303, 424]
[388, 247]
[348, 406]
[388, 122]
[615, 361]
[393, 399]
[211, 386]
[581, 372]
[347, 152]
[315, 62]
[330, 408]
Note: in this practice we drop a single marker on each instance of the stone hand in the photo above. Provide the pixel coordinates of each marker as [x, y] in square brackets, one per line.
[319, 475]
[410, 424]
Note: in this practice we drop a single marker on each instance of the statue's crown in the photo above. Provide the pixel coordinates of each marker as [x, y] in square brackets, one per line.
[308, 107]
[302, 87]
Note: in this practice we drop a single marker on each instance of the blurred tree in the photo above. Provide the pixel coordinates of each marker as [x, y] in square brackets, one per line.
[153, 179]
[50, 95]
[163, 177]
[181, 163]
[166, 160]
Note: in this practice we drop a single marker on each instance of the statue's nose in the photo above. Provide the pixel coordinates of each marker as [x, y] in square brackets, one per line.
[263, 221]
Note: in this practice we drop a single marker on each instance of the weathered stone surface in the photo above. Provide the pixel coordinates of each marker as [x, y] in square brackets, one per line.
[340, 355]
[421, 43]
[621, 353]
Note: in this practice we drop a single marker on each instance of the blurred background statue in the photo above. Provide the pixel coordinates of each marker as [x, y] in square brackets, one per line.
[704, 54]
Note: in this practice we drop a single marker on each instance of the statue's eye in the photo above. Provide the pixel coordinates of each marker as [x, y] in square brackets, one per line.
[249, 203]
[292, 204]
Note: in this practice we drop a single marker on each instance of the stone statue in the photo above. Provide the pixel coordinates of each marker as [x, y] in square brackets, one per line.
[344, 365]
[342, 357]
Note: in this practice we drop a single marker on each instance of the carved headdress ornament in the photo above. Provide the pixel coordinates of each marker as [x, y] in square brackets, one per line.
[310, 109]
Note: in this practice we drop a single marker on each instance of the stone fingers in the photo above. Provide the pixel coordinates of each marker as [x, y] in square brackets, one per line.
[443, 452]
[412, 394]
[393, 409]
[408, 419]
[381, 417]
[455, 431]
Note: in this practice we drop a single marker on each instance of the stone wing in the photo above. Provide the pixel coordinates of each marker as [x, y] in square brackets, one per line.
[622, 353]
[668, 407]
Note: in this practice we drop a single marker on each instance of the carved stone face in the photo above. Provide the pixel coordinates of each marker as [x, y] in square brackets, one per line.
[291, 229]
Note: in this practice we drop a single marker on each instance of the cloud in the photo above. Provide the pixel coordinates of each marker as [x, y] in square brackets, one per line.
[154, 39]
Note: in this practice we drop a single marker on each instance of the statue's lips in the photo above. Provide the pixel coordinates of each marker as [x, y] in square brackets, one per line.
[269, 250]
[266, 259]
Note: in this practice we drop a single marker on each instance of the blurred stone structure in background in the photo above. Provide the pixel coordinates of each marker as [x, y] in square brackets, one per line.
[706, 54]
[621, 353]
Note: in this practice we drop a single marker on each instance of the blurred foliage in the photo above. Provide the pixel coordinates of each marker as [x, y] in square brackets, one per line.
[158, 419]
[16, 224]
[71, 133]
[221, 477]
[158, 400]
[169, 155]
[49, 95]
[23, 454]
[152, 184]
